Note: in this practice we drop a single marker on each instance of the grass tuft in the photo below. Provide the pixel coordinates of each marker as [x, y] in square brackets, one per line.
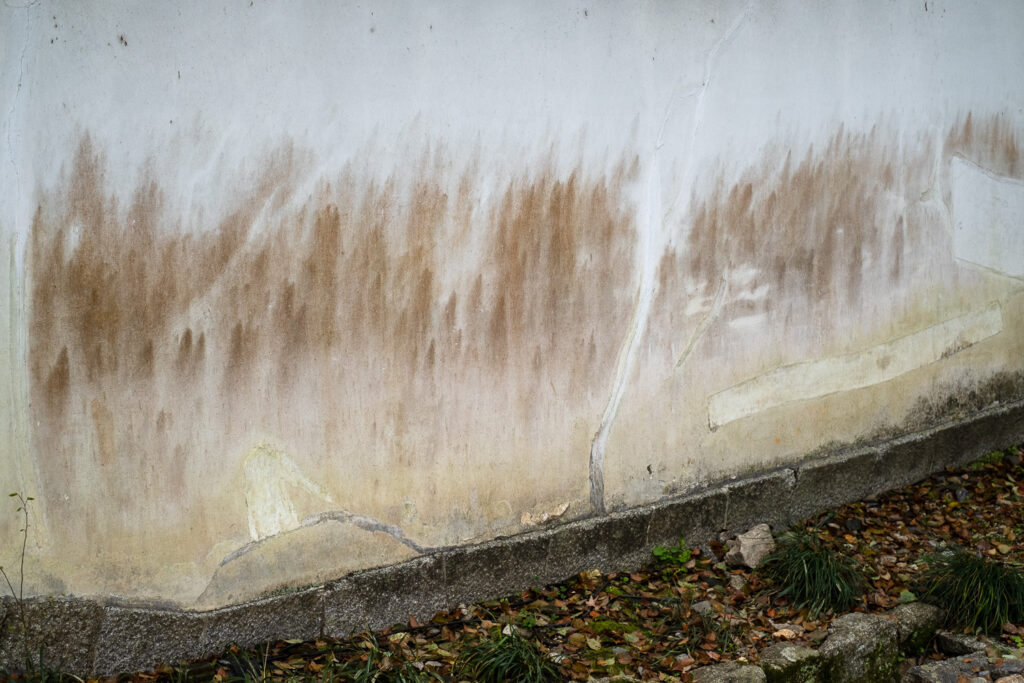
[810, 575]
[978, 593]
[510, 658]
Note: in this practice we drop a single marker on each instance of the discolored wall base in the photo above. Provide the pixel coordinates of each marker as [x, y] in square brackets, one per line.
[94, 638]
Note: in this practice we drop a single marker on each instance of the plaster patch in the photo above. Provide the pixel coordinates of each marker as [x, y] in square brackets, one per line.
[988, 211]
[538, 516]
[877, 364]
[268, 474]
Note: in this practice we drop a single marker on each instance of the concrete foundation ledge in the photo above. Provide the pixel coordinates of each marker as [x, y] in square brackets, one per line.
[90, 637]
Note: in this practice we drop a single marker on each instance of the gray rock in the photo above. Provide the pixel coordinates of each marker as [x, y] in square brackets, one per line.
[737, 582]
[948, 670]
[1006, 667]
[1015, 678]
[965, 666]
[785, 663]
[861, 648]
[702, 607]
[955, 644]
[916, 624]
[750, 548]
[729, 672]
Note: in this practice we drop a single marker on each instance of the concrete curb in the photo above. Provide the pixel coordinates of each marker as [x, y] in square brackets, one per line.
[90, 637]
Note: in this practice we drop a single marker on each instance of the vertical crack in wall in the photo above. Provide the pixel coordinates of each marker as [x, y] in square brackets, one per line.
[651, 224]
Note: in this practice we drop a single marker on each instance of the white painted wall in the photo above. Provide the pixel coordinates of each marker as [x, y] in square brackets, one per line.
[554, 257]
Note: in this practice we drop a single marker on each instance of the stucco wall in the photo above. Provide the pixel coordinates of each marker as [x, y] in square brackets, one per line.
[295, 290]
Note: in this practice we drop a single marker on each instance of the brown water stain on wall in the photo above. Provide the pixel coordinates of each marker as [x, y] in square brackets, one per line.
[808, 253]
[990, 143]
[352, 317]
[823, 229]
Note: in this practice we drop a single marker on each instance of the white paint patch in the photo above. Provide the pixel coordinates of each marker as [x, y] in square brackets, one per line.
[535, 517]
[748, 322]
[877, 364]
[988, 218]
[268, 473]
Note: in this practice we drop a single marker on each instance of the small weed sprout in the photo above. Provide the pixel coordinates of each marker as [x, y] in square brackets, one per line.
[35, 667]
[506, 658]
[19, 594]
[993, 458]
[673, 555]
[978, 593]
[810, 575]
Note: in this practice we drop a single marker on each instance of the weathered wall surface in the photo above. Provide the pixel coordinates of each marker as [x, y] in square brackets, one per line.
[297, 290]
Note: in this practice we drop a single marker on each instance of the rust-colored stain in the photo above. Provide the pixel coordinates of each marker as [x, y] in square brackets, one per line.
[824, 229]
[103, 420]
[344, 325]
[990, 143]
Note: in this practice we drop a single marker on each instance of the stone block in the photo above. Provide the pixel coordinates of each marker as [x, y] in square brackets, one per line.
[615, 542]
[133, 639]
[729, 672]
[292, 615]
[963, 668]
[835, 480]
[495, 568]
[378, 598]
[861, 648]
[787, 663]
[916, 623]
[697, 518]
[954, 644]
[1004, 667]
[61, 634]
[760, 499]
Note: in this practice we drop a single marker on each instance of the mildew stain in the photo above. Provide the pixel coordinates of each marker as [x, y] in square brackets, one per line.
[375, 325]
